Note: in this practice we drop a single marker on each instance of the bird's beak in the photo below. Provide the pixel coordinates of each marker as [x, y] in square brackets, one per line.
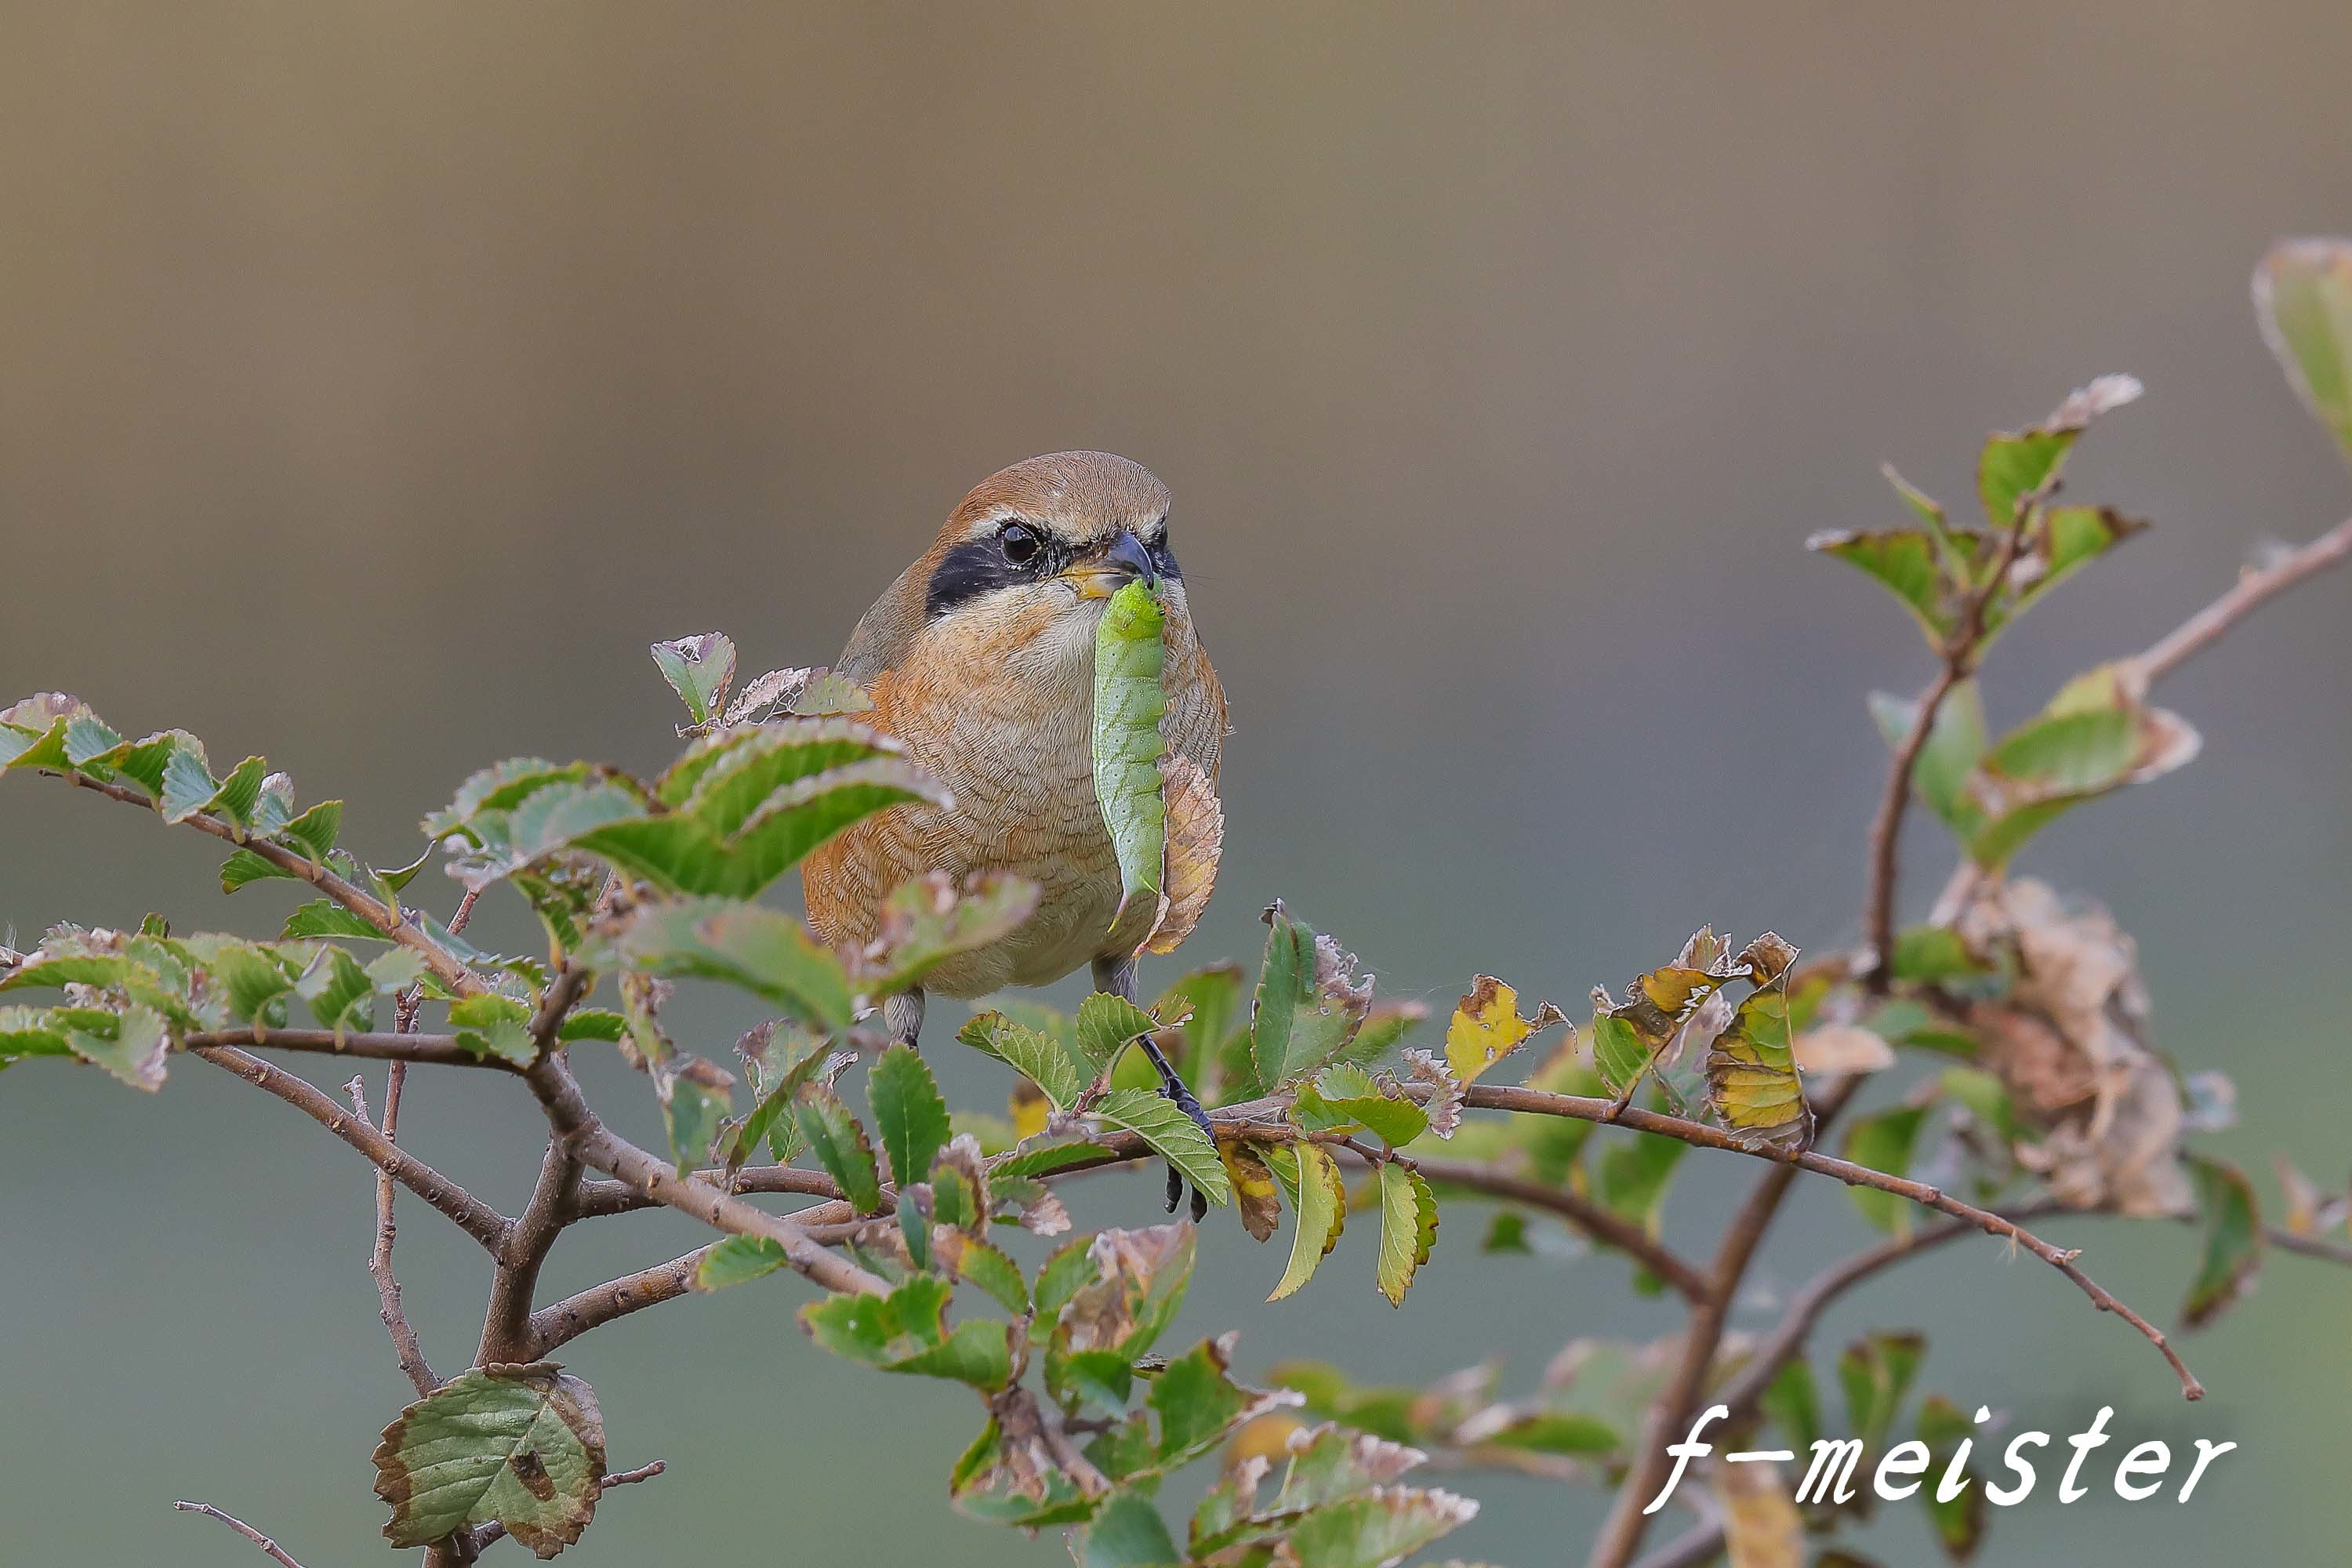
[1121, 562]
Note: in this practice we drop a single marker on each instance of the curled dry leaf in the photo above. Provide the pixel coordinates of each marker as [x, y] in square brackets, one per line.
[1444, 1102]
[2070, 1041]
[1196, 839]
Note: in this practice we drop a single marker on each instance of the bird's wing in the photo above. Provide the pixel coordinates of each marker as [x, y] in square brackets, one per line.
[885, 633]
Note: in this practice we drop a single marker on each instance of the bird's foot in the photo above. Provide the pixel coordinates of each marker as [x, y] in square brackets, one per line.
[1172, 1085]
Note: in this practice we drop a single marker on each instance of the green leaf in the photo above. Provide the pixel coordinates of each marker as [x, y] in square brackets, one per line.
[340, 992]
[591, 1024]
[34, 1032]
[1875, 1373]
[1910, 563]
[696, 1096]
[1886, 1143]
[243, 865]
[699, 669]
[1344, 1095]
[1618, 1051]
[1407, 1228]
[2303, 297]
[1309, 1002]
[500, 787]
[1210, 1002]
[2090, 741]
[1952, 749]
[723, 781]
[2233, 1241]
[1158, 1122]
[907, 1331]
[1197, 1403]
[840, 1145]
[249, 980]
[1960, 1523]
[908, 1112]
[1025, 1051]
[2013, 468]
[762, 951]
[734, 1260]
[323, 917]
[133, 1051]
[493, 1025]
[316, 830]
[1319, 1200]
[682, 852]
[1141, 1277]
[1935, 955]
[1128, 703]
[520, 1446]
[1107, 1025]
[985, 1265]
[1067, 1270]
[1129, 1531]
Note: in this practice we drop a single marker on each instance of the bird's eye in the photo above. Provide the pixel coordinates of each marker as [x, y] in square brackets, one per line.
[1019, 542]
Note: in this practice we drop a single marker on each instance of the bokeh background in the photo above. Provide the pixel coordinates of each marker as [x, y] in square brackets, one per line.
[376, 382]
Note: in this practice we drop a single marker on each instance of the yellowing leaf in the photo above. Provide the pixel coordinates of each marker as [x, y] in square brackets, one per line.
[1486, 1028]
[1253, 1181]
[1029, 1108]
[1751, 1070]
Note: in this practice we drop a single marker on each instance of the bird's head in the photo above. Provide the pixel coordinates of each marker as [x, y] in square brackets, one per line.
[1027, 564]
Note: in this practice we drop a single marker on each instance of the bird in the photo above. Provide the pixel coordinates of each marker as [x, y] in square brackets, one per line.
[979, 660]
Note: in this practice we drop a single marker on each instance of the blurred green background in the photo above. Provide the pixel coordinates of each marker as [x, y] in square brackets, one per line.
[376, 382]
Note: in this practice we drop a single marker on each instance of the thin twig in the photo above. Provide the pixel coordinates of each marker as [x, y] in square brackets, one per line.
[1582, 1107]
[390, 921]
[494, 1531]
[475, 1217]
[387, 1284]
[2317, 1246]
[271, 1547]
[2254, 585]
[601, 1198]
[505, 1325]
[1622, 1530]
[595, 1144]
[1601, 1225]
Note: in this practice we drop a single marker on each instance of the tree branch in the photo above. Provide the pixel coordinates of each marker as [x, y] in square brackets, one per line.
[1601, 1225]
[427, 1050]
[1582, 1107]
[271, 1547]
[595, 1144]
[567, 1320]
[394, 926]
[2253, 587]
[387, 1284]
[601, 1198]
[475, 1217]
[2309, 1245]
[505, 1325]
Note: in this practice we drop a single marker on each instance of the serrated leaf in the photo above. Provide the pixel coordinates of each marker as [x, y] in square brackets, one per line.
[1486, 1028]
[316, 830]
[521, 1446]
[1309, 1002]
[337, 990]
[907, 1111]
[1886, 1143]
[1139, 1279]
[591, 1024]
[761, 950]
[735, 1259]
[1344, 1095]
[1027, 1051]
[1127, 1532]
[493, 1025]
[1407, 1228]
[1753, 1086]
[2303, 298]
[1107, 1025]
[243, 865]
[502, 786]
[840, 1145]
[2233, 1241]
[697, 1098]
[34, 1032]
[681, 852]
[1318, 1201]
[1171, 1134]
[1128, 703]
[699, 669]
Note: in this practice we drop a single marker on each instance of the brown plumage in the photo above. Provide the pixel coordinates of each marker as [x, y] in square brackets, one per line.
[981, 659]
